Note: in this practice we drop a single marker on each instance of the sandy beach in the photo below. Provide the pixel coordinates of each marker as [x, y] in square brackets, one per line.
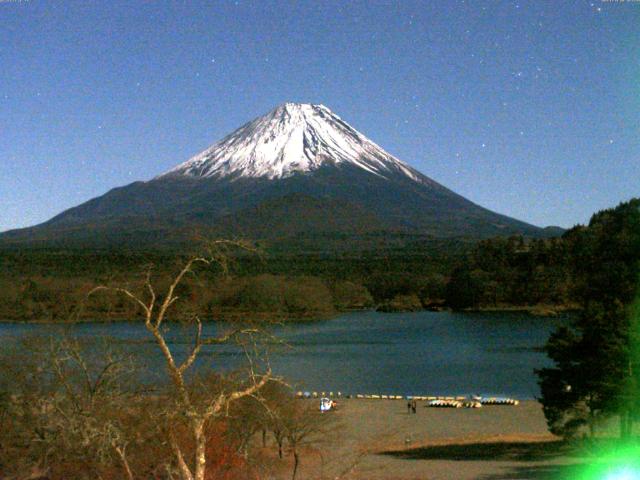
[378, 439]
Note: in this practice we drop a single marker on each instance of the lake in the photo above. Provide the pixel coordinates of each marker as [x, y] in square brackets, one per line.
[422, 353]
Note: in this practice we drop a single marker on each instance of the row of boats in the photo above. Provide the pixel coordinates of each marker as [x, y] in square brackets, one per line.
[475, 401]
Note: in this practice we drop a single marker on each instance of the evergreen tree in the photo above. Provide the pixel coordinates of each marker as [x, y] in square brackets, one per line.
[596, 370]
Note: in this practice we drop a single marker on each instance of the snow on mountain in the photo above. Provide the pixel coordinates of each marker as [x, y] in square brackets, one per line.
[293, 137]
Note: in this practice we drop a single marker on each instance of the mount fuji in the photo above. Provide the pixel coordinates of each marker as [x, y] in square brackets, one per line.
[298, 171]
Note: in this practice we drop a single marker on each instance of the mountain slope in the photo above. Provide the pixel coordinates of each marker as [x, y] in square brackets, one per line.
[299, 169]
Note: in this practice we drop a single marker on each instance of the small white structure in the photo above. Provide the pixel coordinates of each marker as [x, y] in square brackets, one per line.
[326, 404]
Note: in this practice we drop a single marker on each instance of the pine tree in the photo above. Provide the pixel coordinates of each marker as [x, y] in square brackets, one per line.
[596, 368]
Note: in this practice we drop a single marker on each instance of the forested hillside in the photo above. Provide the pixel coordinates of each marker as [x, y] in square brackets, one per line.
[301, 281]
[506, 272]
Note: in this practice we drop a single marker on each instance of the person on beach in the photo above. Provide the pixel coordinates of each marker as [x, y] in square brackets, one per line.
[409, 406]
[414, 405]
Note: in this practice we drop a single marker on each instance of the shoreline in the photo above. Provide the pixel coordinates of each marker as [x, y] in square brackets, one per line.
[533, 310]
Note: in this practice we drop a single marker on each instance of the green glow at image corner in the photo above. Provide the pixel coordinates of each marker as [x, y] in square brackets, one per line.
[621, 463]
[623, 474]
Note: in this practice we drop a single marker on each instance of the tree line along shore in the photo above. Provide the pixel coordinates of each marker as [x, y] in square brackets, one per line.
[541, 276]
[515, 273]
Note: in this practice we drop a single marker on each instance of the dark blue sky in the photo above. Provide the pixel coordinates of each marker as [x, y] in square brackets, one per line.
[529, 108]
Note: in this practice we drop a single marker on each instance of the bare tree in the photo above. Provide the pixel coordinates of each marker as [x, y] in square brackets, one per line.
[297, 422]
[304, 425]
[65, 412]
[276, 401]
[196, 412]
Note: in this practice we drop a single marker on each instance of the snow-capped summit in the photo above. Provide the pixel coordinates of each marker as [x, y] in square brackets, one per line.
[293, 137]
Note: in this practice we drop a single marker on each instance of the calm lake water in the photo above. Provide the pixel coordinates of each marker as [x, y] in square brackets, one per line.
[423, 353]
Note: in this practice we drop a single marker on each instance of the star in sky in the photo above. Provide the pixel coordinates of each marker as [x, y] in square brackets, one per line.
[464, 75]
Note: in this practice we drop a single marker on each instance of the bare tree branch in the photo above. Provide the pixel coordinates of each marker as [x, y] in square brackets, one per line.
[182, 465]
[197, 415]
[124, 291]
[195, 350]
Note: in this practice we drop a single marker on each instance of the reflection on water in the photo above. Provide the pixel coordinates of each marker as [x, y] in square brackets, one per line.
[368, 352]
